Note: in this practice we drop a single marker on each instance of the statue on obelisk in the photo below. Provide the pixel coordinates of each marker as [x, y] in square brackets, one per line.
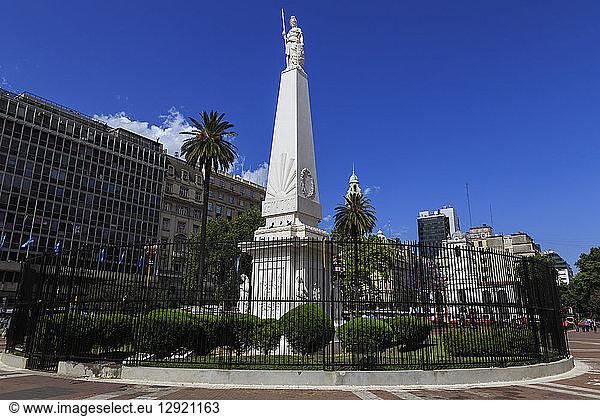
[294, 43]
[291, 207]
[287, 264]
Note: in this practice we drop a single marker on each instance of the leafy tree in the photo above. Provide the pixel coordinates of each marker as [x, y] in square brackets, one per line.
[208, 149]
[583, 293]
[365, 265]
[224, 260]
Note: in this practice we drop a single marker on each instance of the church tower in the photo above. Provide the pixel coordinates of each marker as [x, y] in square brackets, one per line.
[353, 187]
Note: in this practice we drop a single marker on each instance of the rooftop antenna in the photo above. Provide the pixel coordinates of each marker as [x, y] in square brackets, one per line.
[390, 226]
[491, 216]
[469, 205]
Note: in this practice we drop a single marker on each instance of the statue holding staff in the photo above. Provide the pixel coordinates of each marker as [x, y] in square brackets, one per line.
[294, 43]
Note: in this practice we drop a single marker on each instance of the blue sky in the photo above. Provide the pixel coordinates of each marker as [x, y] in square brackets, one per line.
[422, 96]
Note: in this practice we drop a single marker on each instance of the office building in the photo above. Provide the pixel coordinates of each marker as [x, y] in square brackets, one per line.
[519, 243]
[565, 273]
[453, 221]
[230, 196]
[433, 227]
[68, 181]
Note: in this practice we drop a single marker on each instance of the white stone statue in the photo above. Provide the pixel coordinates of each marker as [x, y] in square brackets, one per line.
[294, 44]
[245, 287]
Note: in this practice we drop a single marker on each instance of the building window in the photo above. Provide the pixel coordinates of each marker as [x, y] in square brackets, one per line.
[197, 213]
[171, 171]
[241, 203]
[185, 175]
[181, 227]
[169, 188]
[229, 213]
[232, 187]
[165, 224]
[198, 196]
[218, 210]
[210, 194]
[221, 184]
[167, 207]
[210, 206]
[220, 196]
[252, 194]
[182, 211]
[212, 180]
[231, 200]
[242, 190]
[196, 228]
[183, 192]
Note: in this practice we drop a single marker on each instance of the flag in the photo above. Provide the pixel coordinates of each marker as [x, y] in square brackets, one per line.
[140, 262]
[28, 242]
[102, 256]
[2, 241]
[57, 247]
[122, 256]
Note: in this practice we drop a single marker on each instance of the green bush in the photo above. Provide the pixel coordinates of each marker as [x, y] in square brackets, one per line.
[162, 332]
[268, 335]
[410, 331]
[112, 331]
[242, 331]
[365, 335]
[490, 340]
[307, 328]
[65, 335]
[215, 329]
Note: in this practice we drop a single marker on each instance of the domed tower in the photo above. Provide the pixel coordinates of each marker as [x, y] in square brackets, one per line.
[353, 187]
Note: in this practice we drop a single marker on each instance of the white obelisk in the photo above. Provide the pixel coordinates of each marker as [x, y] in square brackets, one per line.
[289, 265]
[291, 207]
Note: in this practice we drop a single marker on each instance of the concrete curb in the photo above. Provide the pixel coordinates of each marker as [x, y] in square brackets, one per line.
[347, 378]
[316, 378]
[14, 361]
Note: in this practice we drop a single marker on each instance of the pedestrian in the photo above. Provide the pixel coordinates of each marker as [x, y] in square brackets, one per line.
[595, 326]
[576, 323]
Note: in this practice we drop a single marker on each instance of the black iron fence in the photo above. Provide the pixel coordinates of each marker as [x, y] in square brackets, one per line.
[297, 304]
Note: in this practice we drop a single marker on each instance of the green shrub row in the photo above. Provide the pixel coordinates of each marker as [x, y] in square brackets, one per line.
[162, 332]
[492, 340]
[69, 334]
[367, 335]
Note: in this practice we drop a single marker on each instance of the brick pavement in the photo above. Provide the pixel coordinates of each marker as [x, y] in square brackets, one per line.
[585, 347]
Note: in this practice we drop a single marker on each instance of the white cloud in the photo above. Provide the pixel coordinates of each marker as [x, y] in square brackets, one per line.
[371, 189]
[258, 175]
[327, 218]
[168, 132]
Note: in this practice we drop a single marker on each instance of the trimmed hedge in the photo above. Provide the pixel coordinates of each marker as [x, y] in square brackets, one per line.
[162, 332]
[65, 335]
[410, 331]
[268, 335]
[215, 328]
[490, 341]
[365, 335]
[307, 328]
[112, 331]
[242, 331]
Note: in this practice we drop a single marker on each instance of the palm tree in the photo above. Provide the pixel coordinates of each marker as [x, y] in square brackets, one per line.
[208, 149]
[355, 217]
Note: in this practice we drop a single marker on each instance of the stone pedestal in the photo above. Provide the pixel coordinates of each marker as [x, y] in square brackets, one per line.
[287, 273]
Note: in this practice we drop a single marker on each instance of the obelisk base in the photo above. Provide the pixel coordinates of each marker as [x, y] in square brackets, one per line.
[287, 273]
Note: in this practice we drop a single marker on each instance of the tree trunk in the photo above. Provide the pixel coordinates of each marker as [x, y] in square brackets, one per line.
[204, 219]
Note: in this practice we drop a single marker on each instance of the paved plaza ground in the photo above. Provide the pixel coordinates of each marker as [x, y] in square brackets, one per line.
[584, 383]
